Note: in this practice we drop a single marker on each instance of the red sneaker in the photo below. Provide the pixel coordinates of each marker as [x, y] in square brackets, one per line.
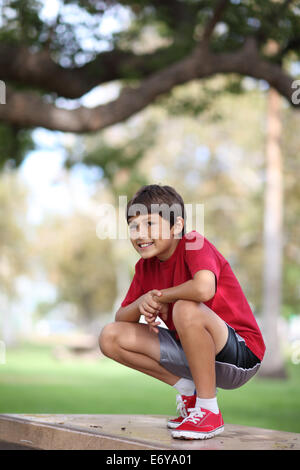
[200, 424]
[183, 403]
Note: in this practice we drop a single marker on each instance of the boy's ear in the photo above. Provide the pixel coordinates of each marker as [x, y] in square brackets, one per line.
[178, 226]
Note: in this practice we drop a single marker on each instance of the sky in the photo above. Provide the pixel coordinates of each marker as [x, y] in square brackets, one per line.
[52, 188]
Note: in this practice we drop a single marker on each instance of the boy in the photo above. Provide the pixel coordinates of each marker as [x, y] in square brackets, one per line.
[212, 339]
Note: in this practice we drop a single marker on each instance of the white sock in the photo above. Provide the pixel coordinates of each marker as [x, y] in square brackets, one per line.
[185, 387]
[210, 404]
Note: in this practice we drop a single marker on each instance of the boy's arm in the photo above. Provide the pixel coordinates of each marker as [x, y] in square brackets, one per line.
[143, 305]
[129, 313]
[199, 289]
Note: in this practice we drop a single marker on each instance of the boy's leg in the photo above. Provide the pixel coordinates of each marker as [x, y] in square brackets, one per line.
[135, 346]
[203, 334]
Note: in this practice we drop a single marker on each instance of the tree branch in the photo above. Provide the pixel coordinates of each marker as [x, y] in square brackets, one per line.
[217, 15]
[29, 110]
[39, 70]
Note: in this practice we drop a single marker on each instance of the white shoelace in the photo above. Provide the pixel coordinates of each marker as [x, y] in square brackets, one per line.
[195, 415]
[181, 406]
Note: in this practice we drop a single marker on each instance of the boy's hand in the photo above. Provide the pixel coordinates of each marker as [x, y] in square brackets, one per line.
[151, 318]
[150, 308]
[163, 311]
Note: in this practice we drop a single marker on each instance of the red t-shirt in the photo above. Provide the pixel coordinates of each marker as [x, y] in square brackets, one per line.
[193, 253]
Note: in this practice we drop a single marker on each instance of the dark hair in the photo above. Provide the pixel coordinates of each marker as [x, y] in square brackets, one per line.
[157, 194]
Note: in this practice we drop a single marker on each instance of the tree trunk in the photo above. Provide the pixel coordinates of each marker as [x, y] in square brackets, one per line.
[273, 364]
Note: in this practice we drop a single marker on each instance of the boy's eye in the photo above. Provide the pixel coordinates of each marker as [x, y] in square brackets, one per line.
[134, 227]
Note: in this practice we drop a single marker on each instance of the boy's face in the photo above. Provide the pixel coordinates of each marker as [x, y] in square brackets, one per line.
[151, 235]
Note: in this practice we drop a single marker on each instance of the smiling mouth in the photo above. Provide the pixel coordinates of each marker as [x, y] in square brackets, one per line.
[145, 245]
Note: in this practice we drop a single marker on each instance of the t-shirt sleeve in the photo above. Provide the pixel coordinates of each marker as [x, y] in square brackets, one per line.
[200, 255]
[134, 291]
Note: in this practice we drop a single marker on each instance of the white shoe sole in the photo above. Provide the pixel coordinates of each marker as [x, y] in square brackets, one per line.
[173, 425]
[196, 435]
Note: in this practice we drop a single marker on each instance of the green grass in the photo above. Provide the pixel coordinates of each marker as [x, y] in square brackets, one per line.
[33, 381]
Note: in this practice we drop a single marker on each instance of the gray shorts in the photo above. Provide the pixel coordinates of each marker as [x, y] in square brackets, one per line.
[235, 363]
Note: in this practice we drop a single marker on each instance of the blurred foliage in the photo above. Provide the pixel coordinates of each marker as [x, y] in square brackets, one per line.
[116, 157]
[291, 233]
[14, 241]
[73, 36]
[20, 22]
[78, 264]
[181, 22]
[14, 145]
[182, 102]
[205, 138]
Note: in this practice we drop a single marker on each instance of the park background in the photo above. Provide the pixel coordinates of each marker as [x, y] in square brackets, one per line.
[227, 141]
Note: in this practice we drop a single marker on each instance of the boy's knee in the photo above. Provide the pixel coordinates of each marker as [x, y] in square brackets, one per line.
[108, 338]
[187, 313]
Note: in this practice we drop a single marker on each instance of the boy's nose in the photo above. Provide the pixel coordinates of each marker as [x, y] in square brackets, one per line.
[144, 233]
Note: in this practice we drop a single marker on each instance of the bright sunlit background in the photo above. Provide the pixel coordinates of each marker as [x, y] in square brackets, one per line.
[61, 282]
